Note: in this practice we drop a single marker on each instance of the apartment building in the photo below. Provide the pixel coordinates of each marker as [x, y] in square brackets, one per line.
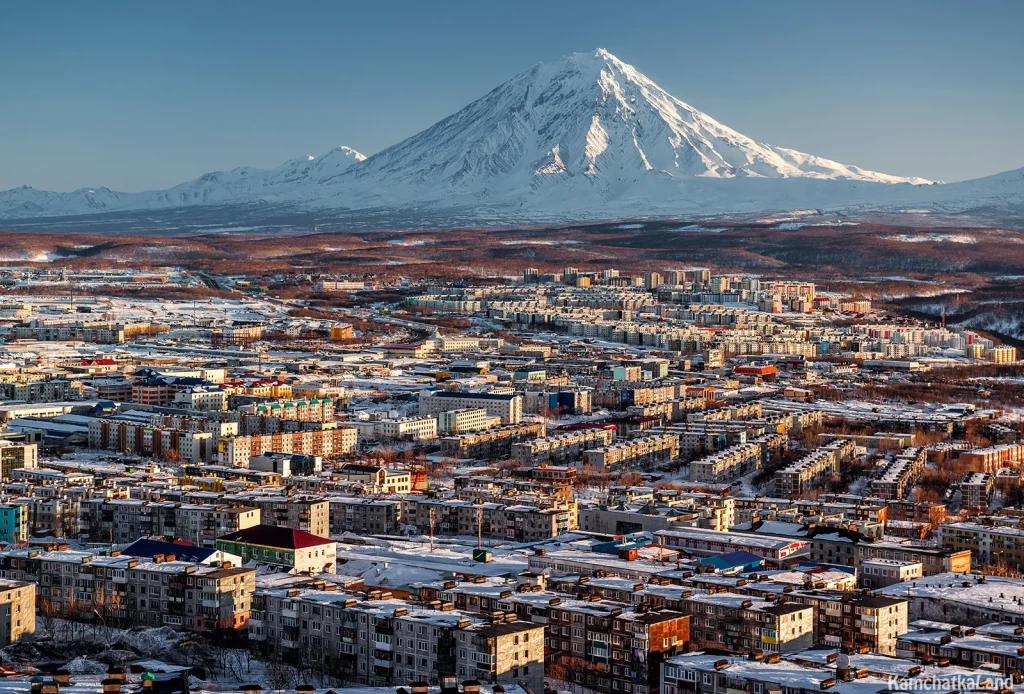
[944, 558]
[612, 645]
[727, 465]
[126, 520]
[640, 453]
[492, 443]
[17, 456]
[988, 544]
[740, 624]
[878, 573]
[14, 523]
[312, 409]
[509, 522]
[375, 479]
[1001, 354]
[43, 390]
[502, 651]
[621, 648]
[381, 642]
[17, 610]
[561, 448]
[126, 590]
[190, 446]
[307, 514]
[462, 421]
[294, 550]
[992, 647]
[508, 407]
[992, 458]
[100, 332]
[364, 516]
[976, 490]
[402, 429]
[339, 286]
[210, 397]
[899, 476]
[327, 442]
[844, 618]
[57, 516]
[808, 472]
[189, 596]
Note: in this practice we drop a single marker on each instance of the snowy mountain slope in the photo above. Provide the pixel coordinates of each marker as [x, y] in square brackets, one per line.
[584, 137]
[589, 125]
[243, 185]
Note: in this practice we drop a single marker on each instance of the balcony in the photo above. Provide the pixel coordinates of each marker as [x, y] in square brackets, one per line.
[382, 664]
[484, 660]
[383, 646]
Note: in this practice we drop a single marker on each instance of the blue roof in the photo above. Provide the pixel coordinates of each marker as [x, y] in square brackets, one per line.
[732, 559]
[150, 548]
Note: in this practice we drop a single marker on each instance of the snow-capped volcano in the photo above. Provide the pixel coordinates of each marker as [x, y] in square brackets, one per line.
[589, 114]
[584, 137]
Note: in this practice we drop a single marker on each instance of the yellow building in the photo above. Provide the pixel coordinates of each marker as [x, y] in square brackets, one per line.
[1001, 354]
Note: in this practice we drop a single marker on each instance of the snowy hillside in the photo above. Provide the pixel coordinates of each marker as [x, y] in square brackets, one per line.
[585, 137]
[243, 185]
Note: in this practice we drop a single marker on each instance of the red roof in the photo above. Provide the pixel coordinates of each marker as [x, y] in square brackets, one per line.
[275, 536]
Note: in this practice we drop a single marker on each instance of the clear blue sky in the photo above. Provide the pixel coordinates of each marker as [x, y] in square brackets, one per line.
[137, 95]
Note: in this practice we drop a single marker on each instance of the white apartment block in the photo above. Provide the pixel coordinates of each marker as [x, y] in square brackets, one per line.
[508, 407]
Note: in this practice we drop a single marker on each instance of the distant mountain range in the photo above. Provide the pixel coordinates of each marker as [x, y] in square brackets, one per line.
[586, 137]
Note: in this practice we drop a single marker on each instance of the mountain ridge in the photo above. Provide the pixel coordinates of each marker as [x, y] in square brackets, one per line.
[584, 137]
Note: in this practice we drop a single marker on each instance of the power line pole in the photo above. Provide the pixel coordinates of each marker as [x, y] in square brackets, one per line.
[431, 530]
[479, 526]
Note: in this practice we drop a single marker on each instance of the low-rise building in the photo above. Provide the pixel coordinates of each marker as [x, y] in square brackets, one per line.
[17, 610]
[295, 550]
